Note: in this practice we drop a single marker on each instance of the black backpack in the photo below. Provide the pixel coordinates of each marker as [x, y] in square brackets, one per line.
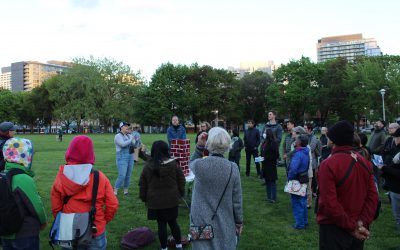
[11, 216]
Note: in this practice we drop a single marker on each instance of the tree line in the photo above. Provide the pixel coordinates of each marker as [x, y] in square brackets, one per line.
[107, 91]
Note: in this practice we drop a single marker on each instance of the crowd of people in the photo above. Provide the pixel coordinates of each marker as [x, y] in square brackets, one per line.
[336, 170]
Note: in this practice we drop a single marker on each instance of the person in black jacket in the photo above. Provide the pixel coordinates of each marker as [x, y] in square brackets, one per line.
[7, 131]
[270, 152]
[391, 174]
[235, 148]
[162, 184]
[251, 143]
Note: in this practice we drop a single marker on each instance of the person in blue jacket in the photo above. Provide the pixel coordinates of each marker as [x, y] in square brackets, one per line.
[176, 130]
[299, 165]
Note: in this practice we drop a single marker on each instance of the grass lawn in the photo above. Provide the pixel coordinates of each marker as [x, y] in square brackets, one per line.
[267, 226]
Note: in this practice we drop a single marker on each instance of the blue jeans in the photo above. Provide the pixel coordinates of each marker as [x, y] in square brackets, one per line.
[98, 243]
[395, 197]
[299, 206]
[28, 243]
[271, 190]
[125, 167]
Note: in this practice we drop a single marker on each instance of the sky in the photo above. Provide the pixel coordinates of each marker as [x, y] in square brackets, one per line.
[147, 33]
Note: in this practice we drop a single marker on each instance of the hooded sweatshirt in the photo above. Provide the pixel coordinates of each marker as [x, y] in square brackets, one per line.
[75, 179]
[164, 187]
[18, 153]
[299, 163]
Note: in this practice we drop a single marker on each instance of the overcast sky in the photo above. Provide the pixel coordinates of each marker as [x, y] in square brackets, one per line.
[221, 33]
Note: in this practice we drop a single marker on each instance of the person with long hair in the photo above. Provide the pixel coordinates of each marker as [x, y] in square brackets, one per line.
[162, 185]
[270, 152]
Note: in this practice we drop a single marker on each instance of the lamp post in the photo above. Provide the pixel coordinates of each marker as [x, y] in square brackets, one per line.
[383, 91]
[216, 117]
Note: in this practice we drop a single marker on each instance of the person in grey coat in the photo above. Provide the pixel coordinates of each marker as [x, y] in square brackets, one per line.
[212, 175]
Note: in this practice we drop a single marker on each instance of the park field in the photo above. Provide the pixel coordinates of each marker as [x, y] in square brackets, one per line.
[267, 226]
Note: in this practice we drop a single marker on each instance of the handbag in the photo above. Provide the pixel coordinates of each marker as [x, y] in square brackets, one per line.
[205, 232]
[295, 187]
[70, 230]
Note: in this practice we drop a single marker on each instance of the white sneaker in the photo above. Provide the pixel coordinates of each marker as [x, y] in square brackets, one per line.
[116, 191]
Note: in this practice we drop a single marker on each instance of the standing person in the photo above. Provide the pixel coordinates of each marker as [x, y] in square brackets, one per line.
[138, 143]
[204, 127]
[274, 126]
[75, 180]
[325, 151]
[287, 143]
[364, 141]
[299, 165]
[123, 141]
[60, 135]
[18, 153]
[378, 138]
[7, 131]
[235, 148]
[315, 150]
[251, 143]
[176, 130]
[217, 192]
[347, 193]
[390, 145]
[391, 174]
[270, 152]
[162, 184]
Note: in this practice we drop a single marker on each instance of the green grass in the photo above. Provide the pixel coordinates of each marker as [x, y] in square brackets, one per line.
[266, 225]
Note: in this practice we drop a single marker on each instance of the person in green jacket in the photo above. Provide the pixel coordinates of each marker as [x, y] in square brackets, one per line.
[18, 153]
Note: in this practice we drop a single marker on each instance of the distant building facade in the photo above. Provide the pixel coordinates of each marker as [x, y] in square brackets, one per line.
[252, 66]
[5, 78]
[346, 46]
[26, 75]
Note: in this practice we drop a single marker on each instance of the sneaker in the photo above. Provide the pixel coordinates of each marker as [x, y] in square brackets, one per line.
[116, 191]
[125, 191]
[297, 228]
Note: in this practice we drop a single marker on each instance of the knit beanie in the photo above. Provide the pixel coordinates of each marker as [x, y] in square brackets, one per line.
[341, 133]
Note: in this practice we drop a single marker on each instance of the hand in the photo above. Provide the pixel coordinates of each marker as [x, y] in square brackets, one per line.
[43, 226]
[202, 139]
[361, 232]
[239, 229]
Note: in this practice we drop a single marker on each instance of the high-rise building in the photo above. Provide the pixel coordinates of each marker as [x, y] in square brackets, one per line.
[252, 66]
[27, 75]
[347, 46]
[5, 78]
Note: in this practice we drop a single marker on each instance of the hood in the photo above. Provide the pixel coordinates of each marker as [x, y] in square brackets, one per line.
[72, 179]
[80, 151]
[18, 150]
[167, 166]
[304, 150]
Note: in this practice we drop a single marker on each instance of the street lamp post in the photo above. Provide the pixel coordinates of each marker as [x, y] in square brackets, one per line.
[383, 91]
[216, 117]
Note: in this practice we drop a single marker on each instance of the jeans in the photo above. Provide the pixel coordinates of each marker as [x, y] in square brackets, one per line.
[395, 197]
[98, 243]
[299, 206]
[125, 167]
[271, 190]
[27, 243]
[250, 153]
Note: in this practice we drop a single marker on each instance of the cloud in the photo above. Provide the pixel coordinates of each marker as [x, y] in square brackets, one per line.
[85, 4]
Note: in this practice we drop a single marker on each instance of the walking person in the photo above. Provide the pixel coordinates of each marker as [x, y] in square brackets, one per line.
[7, 131]
[251, 143]
[162, 184]
[270, 152]
[235, 148]
[217, 192]
[123, 144]
[348, 198]
[18, 153]
[75, 180]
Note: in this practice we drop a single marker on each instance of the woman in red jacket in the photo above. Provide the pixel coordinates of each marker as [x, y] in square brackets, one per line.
[75, 179]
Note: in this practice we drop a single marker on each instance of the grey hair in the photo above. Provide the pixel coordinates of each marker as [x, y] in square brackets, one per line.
[218, 141]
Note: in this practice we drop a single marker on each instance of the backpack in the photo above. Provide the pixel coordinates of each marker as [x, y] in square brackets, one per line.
[11, 216]
[137, 238]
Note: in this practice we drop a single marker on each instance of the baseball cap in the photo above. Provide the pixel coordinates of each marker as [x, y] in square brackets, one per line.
[121, 124]
[7, 126]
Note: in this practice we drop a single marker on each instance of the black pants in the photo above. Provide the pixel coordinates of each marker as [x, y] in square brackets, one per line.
[162, 232]
[314, 183]
[331, 237]
[250, 153]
